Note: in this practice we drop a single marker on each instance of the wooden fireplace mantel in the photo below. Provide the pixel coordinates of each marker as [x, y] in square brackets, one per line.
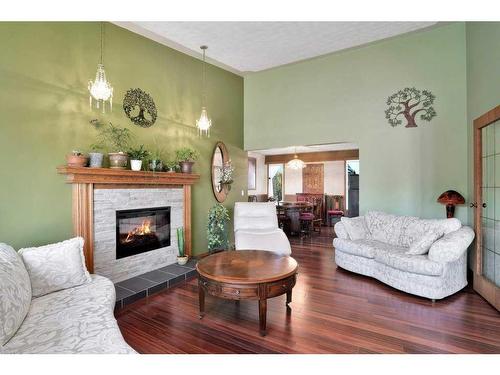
[85, 180]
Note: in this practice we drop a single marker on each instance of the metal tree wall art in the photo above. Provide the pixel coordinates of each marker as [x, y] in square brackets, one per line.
[140, 107]
[406, 104]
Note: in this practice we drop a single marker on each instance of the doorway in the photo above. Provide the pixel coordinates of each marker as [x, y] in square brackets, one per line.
[487, 206]
[275, 182]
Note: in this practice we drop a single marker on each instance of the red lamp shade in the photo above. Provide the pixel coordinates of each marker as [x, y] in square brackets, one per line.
[451, 198]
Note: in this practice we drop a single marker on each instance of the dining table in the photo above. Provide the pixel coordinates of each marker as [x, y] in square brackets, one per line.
[292, 211]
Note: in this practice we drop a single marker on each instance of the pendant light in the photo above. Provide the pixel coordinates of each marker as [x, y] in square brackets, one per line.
[204, 123]
[296, 163]
[101, 90]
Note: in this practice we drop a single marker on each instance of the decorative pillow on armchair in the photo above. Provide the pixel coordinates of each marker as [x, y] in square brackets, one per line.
[422, 246]
[56, 266]
[15, 293]
[355, 227]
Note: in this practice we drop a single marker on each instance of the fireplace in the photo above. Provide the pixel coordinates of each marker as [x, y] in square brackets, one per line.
[142, 230]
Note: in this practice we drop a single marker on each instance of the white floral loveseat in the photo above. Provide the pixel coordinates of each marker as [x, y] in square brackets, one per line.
[427, 258]
[50, 304]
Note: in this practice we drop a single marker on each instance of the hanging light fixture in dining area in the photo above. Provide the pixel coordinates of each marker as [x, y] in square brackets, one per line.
[296, 163]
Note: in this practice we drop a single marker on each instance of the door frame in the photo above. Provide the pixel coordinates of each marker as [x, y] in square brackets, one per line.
[483, 286]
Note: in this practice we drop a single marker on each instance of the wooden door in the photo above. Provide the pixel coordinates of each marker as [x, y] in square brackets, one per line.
[313, 179]
[487, 206]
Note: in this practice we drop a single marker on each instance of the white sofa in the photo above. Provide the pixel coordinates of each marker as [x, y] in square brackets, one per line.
[377, 245]
[256, 228]
[73, 320]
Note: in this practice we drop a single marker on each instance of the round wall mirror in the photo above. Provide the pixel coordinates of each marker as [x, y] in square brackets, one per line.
[219, 158]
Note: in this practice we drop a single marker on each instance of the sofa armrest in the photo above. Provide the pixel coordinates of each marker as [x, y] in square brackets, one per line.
[340, 230]
[451, 246]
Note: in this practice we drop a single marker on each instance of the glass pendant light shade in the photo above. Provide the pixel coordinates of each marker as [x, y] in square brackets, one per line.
[100, 89]
[296, 163]
[203, 124]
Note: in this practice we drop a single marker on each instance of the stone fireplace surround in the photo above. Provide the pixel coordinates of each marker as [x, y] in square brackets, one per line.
[106, 203]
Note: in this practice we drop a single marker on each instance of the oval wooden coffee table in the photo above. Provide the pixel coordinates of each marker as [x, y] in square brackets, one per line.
[246, 274]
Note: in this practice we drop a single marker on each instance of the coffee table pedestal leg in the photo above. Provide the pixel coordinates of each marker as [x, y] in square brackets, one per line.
[262, 316]
[201, 300]
[288, 297]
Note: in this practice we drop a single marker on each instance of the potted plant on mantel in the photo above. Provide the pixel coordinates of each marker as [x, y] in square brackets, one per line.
[116, 139]
[171, 165]
[182, 258]
[186, 157]
[137, 155]
[76, 159]
[155, 163]
[95, 157]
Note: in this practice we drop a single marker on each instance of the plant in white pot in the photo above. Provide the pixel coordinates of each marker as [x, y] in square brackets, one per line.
[186, 157]
[182, 258]
[137, 155]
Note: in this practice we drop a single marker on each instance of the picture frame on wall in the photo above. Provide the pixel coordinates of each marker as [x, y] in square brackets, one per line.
[252, 173]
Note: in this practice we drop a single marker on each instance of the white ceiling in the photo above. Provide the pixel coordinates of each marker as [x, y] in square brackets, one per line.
[312, 148]
[252, 46]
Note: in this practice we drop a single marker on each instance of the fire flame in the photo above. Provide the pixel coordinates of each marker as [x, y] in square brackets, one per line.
[144, 228]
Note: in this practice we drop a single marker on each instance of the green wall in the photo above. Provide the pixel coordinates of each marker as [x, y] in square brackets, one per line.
[44, 71]
[341, 97]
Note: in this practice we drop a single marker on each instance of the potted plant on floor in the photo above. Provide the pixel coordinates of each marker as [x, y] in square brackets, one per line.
[117, 139]
[186, 157]
[218, 217]
[76, 159]
[182, 258]
[137, 155]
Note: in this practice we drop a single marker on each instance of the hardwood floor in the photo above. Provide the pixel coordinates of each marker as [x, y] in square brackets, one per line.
[333, 311]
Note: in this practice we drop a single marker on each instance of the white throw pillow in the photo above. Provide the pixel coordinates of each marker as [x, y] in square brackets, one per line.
[15, 292]
[56, 266]
[355, 227]
[422, 246]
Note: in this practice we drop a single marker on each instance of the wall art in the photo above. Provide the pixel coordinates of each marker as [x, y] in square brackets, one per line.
[406, 104]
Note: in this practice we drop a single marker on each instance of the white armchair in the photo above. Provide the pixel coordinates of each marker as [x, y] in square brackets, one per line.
[256, 228]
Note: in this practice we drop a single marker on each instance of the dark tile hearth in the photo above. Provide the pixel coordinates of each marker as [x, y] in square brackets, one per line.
[141, 286]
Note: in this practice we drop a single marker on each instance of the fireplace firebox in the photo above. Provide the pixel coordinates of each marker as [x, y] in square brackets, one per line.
[141, 230]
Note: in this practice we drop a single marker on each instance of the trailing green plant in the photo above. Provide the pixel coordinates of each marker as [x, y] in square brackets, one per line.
[218, 217]
[138, 153]
[186, 154]
[111, 137]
